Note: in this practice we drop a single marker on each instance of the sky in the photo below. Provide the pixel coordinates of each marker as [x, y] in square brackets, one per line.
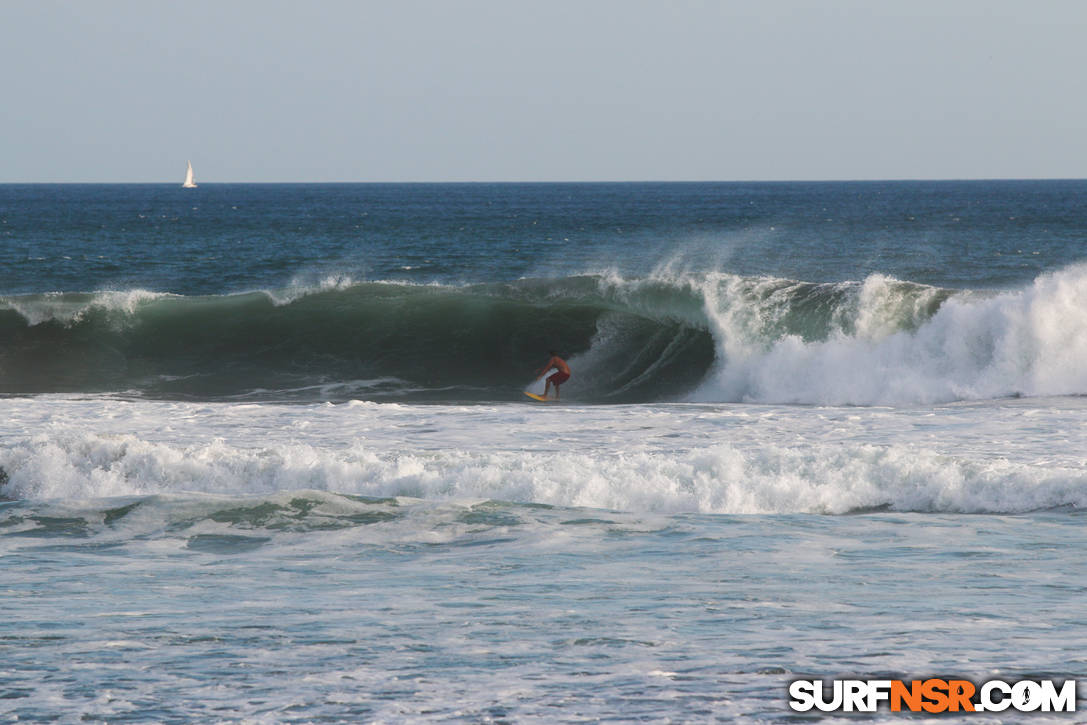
[585, 90]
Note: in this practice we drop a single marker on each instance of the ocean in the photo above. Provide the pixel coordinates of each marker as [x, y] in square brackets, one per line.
[265, 454]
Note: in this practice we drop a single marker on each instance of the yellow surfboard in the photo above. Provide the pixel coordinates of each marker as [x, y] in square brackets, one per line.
[540, 398]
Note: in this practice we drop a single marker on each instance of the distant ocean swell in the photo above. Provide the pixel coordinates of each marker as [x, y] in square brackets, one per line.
[707, 336]
[72, 465]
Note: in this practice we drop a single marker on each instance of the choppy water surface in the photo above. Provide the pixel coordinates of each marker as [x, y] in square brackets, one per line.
[264, 453]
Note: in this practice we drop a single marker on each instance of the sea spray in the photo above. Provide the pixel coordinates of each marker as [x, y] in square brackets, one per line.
[899, 344]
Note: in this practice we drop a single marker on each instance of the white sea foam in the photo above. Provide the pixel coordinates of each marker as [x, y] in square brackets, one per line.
[644, 458]
[716, 479]
[1030, 342]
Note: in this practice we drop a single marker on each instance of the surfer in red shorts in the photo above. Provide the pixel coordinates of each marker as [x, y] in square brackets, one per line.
[562, 374]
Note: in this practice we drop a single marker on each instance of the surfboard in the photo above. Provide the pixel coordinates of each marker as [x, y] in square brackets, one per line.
[540, 398]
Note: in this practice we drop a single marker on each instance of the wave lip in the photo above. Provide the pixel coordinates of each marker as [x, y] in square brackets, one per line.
[69, 309]
[471, 342]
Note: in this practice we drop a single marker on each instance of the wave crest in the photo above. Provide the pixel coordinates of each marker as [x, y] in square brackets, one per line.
[701, 336]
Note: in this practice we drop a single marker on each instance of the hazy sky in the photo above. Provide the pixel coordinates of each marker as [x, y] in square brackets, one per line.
[464, 90]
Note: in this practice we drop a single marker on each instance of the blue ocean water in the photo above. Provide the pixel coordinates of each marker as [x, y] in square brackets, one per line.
[265, 455]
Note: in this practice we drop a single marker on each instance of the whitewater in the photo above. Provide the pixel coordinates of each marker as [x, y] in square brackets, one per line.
[265, 455]
[739, 459]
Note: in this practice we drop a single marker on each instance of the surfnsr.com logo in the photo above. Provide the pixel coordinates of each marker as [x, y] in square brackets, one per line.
[932, 696]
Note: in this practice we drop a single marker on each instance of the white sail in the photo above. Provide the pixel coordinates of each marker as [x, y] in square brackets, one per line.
[189, 183]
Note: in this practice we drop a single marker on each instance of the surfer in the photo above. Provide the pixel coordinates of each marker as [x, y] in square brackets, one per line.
[562, 373]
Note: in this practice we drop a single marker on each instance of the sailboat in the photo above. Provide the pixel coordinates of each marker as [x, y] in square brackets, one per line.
[189, 183]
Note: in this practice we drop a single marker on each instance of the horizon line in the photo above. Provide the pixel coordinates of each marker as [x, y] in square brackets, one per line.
[903, 179]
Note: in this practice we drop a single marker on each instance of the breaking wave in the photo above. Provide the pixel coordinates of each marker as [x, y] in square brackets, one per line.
[719, 479]
[702, 336]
